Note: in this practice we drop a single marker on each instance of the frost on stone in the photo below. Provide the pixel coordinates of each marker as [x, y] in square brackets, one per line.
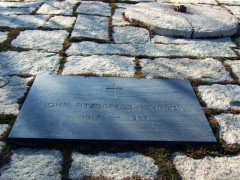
[94, 8]
[229, 127]
[11, 89]
[235, 65]
[235, 10]
[130, 34]
[117, 18]
[51, 41]
[230, 2]
[11, 11]
[208, 69]
[91, 27]
[221, 96]
[33, 164]
[189, 1]
[3, 129]
[207, 168]
[60, 22]
[116, 166]
[23, 21]
[58, 7]
[28, 62]
[21, 4]
[3, 36]
[100, 65]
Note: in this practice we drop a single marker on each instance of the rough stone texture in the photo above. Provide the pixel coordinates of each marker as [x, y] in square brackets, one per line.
[33, 164]
[230, 2]
[130, 34]
[21, 4]
[10, 11]
[3, 129]
[94, 8]
[11, 89]
[150, 50]
[91, 27]
[188, 1]
[200, 21]
[60, 22]
[116, 166]
[114, 65]
[2, 144]
[208, 167]
[229, 129]
[57, 7]
[51, 41]
[3, 36]
[235, 10]
[207, 69]
[215, 42]
[221, 96]
[235, 65]
[23, 21]
[117, 18]
[28, 62]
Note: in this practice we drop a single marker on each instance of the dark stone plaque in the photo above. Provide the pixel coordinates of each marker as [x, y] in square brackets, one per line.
[90, 109]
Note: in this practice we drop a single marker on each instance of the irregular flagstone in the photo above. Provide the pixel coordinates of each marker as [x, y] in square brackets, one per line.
[93, 27]
[200, 21]
[235, 10]
[28, 62]
[21, 4]
[11, 89]
[235, 65]
[60, 22]
[124, 5]
[3, 129]
[94, 8]
[33, 164]
[117, 18]
[230, 2]
[130, 34]
[57, 7]
[100, 65]
[216, 42]
[10, 11]
[23, 21]
[207, 168]
[2, 144]
[188, 1]
[221, 96]
[116, 166]
[3, 36]
[51, 41]
[229, 129]
[150, 50]
[208, 69]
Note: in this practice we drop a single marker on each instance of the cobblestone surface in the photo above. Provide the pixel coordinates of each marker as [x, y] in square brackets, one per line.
[3, 129]
[3, 36]
[235, 65]
[60, 22]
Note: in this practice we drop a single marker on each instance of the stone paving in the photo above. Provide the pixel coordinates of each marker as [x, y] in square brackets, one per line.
[72, 37]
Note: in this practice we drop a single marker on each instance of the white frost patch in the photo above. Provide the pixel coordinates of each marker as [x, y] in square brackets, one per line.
[51, 41]
[116, 166]
[229, 127]
[235, 65]
[208, 167]
[221, 96]
[114, 65]
[208, 69]
[33, 164]
[28, 62]
[3, 36]
[3, 129]
[60, 22]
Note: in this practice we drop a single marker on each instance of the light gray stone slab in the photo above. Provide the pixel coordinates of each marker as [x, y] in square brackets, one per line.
[235, 10]
[3, 36]
[188, 1]
[11, 11]
[28, 62]
[226, 167]
[124, 5]
[221, 96]
[3, 129]
[199, 22]
[51, 41]
[21, 4]
[117, 18]
[130, 34]
[207, 69]
[235, 65]
[11, 89]
[22, 21]
[33, 164]
[57, 7]
[114, 166]
[91, 27]
[60, 22]
[216, 42]
[100, 65]
[229, 129]
[149, 50]
[230, 2]
[94, 8]
[2, 144]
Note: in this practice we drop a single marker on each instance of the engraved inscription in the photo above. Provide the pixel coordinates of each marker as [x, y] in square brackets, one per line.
[114, 90]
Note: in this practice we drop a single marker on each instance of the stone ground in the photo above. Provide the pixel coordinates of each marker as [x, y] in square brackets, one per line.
[94, 38]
